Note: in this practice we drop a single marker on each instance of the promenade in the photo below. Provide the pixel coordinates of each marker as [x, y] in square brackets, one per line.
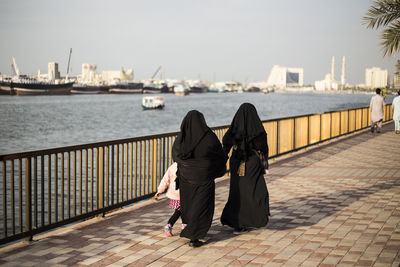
[333, 205]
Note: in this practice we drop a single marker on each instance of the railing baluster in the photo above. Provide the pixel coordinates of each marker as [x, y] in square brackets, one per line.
[136, 167]
[28, 197]
[35, 195]
[140, 169]
[74, 182]
[69, 184]
[86, 181]
[126, 171]
[12, 196]
[55, 187]
[117, 176]
[5, 199]
[107, 175]
[80, 182]
[112, 174]
[91, 179]
[131, 172]
[122, 172]
[42, 189]
[20, 195]
[62, 185]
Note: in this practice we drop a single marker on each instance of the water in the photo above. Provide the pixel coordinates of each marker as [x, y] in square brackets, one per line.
[40, 122]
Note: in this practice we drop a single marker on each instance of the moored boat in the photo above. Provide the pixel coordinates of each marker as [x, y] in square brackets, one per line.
[125, 87]
[152, 102]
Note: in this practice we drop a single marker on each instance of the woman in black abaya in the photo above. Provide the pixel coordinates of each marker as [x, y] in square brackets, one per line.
[248, 202]
[200, 159]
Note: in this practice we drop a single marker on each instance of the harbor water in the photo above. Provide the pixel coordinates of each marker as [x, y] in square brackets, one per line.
[41, 122]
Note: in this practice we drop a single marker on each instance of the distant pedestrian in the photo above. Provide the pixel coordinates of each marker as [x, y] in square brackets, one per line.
[200, 159]
[248, 201]
[396, 112]
[173, 194]
[376, 105]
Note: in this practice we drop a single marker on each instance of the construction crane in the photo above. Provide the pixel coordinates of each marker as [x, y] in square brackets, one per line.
[69, 60]
[155, 73]
[15, 67]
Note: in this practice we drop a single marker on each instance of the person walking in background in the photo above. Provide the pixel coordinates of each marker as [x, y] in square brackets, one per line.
[173, 194]
[200, 159]
[396, 112]
[376, 105]
[248, 201]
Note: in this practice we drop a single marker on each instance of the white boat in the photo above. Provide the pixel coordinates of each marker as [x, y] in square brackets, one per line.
[152, 102]
[180, 89]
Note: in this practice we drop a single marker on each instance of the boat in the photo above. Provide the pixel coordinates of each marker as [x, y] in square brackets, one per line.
[180, 89]
[31, 86]
[83, 88]
[26, 85]
[197, 87]
[126, 87]
[152, 102]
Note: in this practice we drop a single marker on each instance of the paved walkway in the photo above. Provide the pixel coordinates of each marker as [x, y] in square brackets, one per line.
[338, 204]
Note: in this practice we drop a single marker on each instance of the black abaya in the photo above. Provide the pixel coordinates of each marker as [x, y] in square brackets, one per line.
[200, 159]
[248, 201]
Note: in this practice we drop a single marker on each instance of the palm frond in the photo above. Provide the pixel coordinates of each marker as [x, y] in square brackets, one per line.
[391, 39]
[381, 13]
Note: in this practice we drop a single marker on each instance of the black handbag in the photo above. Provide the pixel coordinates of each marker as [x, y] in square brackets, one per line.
[263, 159]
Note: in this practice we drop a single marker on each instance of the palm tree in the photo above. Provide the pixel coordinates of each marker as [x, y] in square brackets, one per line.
[386, 14]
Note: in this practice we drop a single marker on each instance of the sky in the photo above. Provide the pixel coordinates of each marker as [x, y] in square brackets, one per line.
[211, 40]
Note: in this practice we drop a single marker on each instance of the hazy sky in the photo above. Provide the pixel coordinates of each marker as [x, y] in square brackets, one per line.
[229, 40]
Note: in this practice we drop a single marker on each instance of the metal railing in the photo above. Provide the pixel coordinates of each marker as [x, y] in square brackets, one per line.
[45, 189]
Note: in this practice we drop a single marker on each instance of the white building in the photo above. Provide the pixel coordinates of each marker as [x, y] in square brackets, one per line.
[53, 73]
[330, 83]
[89, 73]
[375, 77]
[282, 77]
[112, 75]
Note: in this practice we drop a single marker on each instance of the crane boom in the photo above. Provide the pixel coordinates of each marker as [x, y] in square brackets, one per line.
[16, 70]
[155, 73]
[69, 59]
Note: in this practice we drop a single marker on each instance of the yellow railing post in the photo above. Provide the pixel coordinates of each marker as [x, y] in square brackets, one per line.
[154, 166]
[100, 178]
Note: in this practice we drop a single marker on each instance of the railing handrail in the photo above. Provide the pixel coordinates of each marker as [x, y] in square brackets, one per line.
[47, 188]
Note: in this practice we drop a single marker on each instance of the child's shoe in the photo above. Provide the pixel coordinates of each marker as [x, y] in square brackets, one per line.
[183, 226]
[168, 230]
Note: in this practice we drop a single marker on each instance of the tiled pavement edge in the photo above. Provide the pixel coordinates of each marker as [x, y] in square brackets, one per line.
[336, 205]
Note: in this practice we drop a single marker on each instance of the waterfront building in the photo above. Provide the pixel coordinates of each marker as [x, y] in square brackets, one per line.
[282, 77]
[53, 73]
[330, 83]
[112, 75]
[375, 77]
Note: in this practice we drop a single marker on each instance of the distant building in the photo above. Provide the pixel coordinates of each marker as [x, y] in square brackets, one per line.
[112, 75]
[282, 77]
[330, 83]
[375, 77]
[53, 73]
[396, 75]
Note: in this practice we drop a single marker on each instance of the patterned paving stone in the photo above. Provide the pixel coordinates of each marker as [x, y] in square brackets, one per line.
[333, 205]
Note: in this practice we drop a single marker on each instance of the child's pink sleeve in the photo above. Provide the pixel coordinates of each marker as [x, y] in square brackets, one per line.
[167, 178]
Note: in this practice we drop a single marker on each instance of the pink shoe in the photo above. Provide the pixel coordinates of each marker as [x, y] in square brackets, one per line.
[168, 230]
[183, 226]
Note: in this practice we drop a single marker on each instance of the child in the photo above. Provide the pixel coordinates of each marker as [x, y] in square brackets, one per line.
[173, 195]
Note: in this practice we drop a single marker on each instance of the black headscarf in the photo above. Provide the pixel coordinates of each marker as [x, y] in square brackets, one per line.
[245, 127]
[193, 129]
[198, 151]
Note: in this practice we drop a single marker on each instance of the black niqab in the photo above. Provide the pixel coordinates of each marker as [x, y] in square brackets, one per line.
[246, 126]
